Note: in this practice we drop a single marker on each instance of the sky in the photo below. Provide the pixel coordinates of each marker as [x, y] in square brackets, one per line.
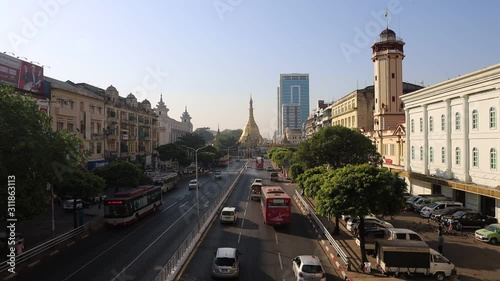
[212, 55]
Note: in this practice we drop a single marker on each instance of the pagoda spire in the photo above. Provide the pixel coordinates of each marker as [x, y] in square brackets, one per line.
[251, 135]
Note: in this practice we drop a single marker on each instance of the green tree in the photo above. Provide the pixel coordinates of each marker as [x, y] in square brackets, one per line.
[191, 140]
[173, 151]
[120, 174]
[310, 180]
[337, 146]
[80, 184]
[205, 133]
[206, 159]
[295, 171]
[32, 153]
[361, 190]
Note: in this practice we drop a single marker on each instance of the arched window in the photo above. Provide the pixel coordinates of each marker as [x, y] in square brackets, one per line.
[458, 121]
[475, 157]
[493, 159]
[431, 154]
[443, 155]
[457, 156]
[443, 123]
[421, 153]
[493, 118]
[412, 126]
[421, 125]
[412, 153]
[475, 119]
[431, 124]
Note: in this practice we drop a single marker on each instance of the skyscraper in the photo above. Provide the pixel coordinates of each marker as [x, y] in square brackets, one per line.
[293, 101]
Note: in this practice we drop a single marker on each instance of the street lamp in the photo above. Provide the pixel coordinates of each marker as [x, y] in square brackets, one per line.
[197, 183]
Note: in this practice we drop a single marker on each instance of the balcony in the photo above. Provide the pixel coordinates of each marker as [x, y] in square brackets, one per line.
[66, 111]
[112, 137]
[124, 154]
[97, 136]
[125, 137]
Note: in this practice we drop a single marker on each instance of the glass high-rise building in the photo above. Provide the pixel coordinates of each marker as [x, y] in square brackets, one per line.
[293, 101]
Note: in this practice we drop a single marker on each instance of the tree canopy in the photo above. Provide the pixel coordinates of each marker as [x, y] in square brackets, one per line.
[337, 146]
[205, 133]
[120, 174]
[173, 151]
[32, 152]
[358, 191]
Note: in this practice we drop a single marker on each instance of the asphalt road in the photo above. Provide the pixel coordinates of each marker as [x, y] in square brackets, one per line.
[267, 251]
[139, 251]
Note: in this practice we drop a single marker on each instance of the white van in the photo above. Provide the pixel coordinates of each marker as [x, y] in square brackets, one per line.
[427, 210]
[402, 234]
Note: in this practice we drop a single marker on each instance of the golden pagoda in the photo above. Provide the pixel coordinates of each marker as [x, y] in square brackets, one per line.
[251, 135]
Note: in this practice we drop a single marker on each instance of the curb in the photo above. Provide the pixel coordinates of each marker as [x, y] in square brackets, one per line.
[324, 243]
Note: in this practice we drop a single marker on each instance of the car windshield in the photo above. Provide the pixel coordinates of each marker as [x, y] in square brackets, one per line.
[458, 214]
[311, 268]
[227, 213]
[493, 228]
[225, 262]
[432, 205]
[193, 182]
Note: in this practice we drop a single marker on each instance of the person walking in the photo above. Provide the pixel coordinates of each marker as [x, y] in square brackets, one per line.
[440, 239]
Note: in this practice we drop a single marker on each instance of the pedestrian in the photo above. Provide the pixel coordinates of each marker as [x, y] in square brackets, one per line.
[440, 242]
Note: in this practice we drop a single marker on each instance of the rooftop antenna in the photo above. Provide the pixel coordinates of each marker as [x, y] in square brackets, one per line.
[387, 17]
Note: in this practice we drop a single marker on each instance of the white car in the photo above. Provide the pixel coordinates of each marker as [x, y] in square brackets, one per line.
[68, 204]
[193, 184]
[226, 263]
[229, 215]
[308, 268]
[257, 181]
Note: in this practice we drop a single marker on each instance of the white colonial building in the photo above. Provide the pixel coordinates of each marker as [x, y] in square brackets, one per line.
[453, 139]
[169, 129]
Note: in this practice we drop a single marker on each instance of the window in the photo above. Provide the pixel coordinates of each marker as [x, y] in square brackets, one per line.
[493, 118]
[98, 148]
[475, 157]
[70, 127]
[391, 149]
[457, 121]
[393, 75]
[431, 154]
[71, 104]
[443, 155]
[393, 98]
[443, 121]
[431, 124]
[412, 153]
[493, 159]
[421, 153]
[475, 120]
[60, 126]
[421, 125]
[457, 156]
[412, 126]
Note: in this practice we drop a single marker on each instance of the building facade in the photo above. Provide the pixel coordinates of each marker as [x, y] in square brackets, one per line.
[169, 129]
[293, 101]
[453, 139]
[355, 110]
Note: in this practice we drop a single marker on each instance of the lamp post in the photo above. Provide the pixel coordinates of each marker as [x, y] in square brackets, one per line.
[197, 184]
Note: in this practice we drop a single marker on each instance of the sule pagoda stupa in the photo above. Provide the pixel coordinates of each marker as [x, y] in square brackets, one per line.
[251, 135]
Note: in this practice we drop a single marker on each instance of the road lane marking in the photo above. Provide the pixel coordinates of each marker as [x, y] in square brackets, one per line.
[239, 237]
[276, 236]
[245, 212]
[184, 204]
[206, 204]
[246, 205]
[112, 246]
[281, 264]
[242, 221]
[119, 275]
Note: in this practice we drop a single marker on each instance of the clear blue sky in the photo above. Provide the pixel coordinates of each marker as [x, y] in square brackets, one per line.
[216, 58]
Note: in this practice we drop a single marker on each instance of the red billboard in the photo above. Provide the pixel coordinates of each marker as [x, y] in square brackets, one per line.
[21, 74]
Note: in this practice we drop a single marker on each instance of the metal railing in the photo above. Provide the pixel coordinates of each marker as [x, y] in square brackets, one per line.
[31, 254]
[171, 269]
[335, 245]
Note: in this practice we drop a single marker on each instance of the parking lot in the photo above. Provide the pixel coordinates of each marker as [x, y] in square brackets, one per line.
[475, 260]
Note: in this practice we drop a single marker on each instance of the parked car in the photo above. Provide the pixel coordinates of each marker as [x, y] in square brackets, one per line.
[470, 219]
[420, 203]
[427, 210]
[228, 215]
[402, 234]
[437, 214]
[308, 268]
[226, 263]
[489, 234]
[193, 184]
[370, 222]
[371, 236]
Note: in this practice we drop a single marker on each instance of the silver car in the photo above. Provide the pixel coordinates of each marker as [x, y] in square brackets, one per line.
[226, 263]
[308, 268]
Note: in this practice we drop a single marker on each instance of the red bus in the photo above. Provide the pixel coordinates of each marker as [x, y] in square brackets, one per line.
[259, 163]
[128, 206]
[276, 205]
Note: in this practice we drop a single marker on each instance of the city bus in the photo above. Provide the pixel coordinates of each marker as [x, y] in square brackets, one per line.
[276, 205]
[128, 206]
[167, 182]
[259, 163]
